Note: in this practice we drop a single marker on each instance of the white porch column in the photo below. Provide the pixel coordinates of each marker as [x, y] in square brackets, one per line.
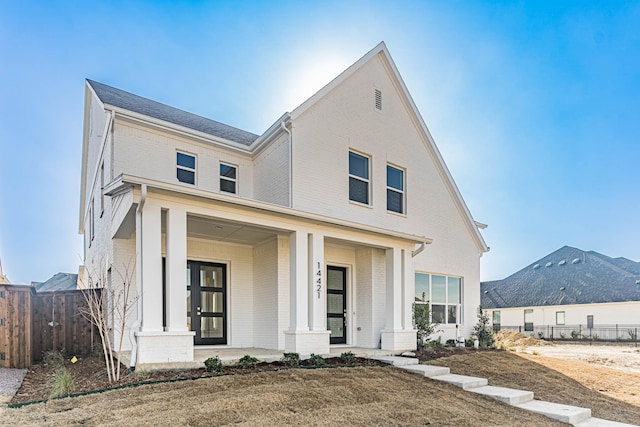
[398, 333]
[317, 284]
[176, 270]
[151, 267]
[298, 297]
[393, 287]
[298, 338]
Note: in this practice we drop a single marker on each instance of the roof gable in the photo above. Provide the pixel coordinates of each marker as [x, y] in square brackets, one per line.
[566, 276]
[119, 98]
[381, 52]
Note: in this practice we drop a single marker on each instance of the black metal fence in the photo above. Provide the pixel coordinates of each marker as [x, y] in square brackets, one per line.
[604, 333]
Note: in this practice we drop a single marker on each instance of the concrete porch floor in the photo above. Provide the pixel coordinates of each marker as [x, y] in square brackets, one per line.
[230, 356]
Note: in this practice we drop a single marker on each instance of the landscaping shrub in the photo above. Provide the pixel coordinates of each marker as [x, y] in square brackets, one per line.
[213, 364]
[62, 383]
[422, 322]
[348, 358]
[291, 359]
[53, 358]
[316, 360]
[483, 330]
[247, 361]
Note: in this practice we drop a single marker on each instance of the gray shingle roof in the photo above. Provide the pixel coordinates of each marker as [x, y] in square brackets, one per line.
[566, 276]
[128, 101]
[59, 282]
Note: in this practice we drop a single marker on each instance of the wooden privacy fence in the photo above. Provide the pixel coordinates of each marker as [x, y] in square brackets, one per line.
[32, 323]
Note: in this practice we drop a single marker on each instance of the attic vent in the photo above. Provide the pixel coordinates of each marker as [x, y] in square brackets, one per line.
[378, 99]
[562, 288]
[637, 282]
[537, 266]
[575, 261]
[563, 262]
[486, 292]
[549, 264]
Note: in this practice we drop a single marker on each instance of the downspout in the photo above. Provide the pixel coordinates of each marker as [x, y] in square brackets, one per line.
[136, 325]
[417, 251]
[284, 127]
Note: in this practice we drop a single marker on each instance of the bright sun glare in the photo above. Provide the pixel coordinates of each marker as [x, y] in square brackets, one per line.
[312, 74]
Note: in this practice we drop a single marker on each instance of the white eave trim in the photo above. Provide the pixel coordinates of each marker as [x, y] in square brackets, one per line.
[124, 182]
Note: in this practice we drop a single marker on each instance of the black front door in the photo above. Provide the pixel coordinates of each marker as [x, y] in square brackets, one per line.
[207, 301]
[337, 304]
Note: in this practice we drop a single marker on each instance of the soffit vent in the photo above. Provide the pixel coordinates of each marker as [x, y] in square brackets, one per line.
[378, 94]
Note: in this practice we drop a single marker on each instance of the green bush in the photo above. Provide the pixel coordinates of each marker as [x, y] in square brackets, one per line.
[291, 359]
[483, 330]
[348, 358]
[422, 322]
[434, 343]
[213, 364]
[247, 361]
[316, 360]
[62, 383]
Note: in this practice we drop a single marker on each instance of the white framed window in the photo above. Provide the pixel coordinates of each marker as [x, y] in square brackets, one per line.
[395, 189]
[528, 320]
[559, 317]
[228, 178]
[186, 168]
[359, 173]
[443, 294]
[496, 320]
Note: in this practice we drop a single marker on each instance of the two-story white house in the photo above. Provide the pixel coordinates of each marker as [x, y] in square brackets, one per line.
[320, 232]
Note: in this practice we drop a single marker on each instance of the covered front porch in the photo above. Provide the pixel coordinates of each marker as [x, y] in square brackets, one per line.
[261, 278]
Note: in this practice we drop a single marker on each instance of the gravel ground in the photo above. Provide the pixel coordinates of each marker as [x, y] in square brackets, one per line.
[624, 358]
[10, 380]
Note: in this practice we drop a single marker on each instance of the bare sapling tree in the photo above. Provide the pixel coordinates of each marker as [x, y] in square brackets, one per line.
[109, 310]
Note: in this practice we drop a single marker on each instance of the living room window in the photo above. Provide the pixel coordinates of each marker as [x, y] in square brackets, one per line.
[358, 178]
[443, 294]
[228, 178]
[395, 189]
[186, 168]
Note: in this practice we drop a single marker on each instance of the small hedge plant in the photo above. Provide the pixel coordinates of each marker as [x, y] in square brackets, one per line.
[291, 359]
[316, 360]
[348, 358]
[247, 361]
[213, 364]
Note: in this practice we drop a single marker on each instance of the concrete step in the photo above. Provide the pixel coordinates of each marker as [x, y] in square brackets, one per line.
[397, 360]
[510, 396]
[564, 413]
[462, 381]
[426, 370]
[599, 422]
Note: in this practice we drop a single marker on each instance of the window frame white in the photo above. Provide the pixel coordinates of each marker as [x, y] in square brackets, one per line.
[459, 306]
[234, 180]
[403, 192]
[564, 318]
[528, 311]
[186, 168]
[367, 180]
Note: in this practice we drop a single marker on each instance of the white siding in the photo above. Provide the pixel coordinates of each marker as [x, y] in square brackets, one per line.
[271, 173]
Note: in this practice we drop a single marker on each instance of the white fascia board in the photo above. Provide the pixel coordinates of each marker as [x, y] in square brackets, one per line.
[269, 135]
[124, 183]
[180, 130]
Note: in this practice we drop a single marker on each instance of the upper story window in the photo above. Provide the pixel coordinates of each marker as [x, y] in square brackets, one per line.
[358, 178]
[395, 189]
[186, 168]
[443, 294]
[228, 178]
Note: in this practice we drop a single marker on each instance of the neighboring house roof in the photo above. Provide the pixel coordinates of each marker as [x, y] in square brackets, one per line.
[566, 276]
[59, 282]
[119, 98]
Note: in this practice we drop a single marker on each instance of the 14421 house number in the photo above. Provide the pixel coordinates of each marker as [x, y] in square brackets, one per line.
[319, 281]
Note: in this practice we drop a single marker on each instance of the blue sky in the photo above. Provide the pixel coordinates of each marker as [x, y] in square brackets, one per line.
[535, 105]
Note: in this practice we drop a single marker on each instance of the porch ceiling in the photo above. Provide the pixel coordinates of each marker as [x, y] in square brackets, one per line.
[227, 231]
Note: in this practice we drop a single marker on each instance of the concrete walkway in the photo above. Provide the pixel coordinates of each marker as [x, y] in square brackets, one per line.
[576, 416]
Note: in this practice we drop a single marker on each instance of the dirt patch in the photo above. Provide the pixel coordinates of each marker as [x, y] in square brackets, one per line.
[511, 339]
[342, 396]
[611, 394]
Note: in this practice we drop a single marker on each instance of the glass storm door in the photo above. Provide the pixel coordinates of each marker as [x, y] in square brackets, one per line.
[337, 304]
[207, 302]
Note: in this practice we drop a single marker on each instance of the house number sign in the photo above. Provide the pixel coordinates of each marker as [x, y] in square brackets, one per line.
[319, 281]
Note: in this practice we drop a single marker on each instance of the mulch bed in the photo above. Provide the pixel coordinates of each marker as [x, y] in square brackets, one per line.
[89, 374]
